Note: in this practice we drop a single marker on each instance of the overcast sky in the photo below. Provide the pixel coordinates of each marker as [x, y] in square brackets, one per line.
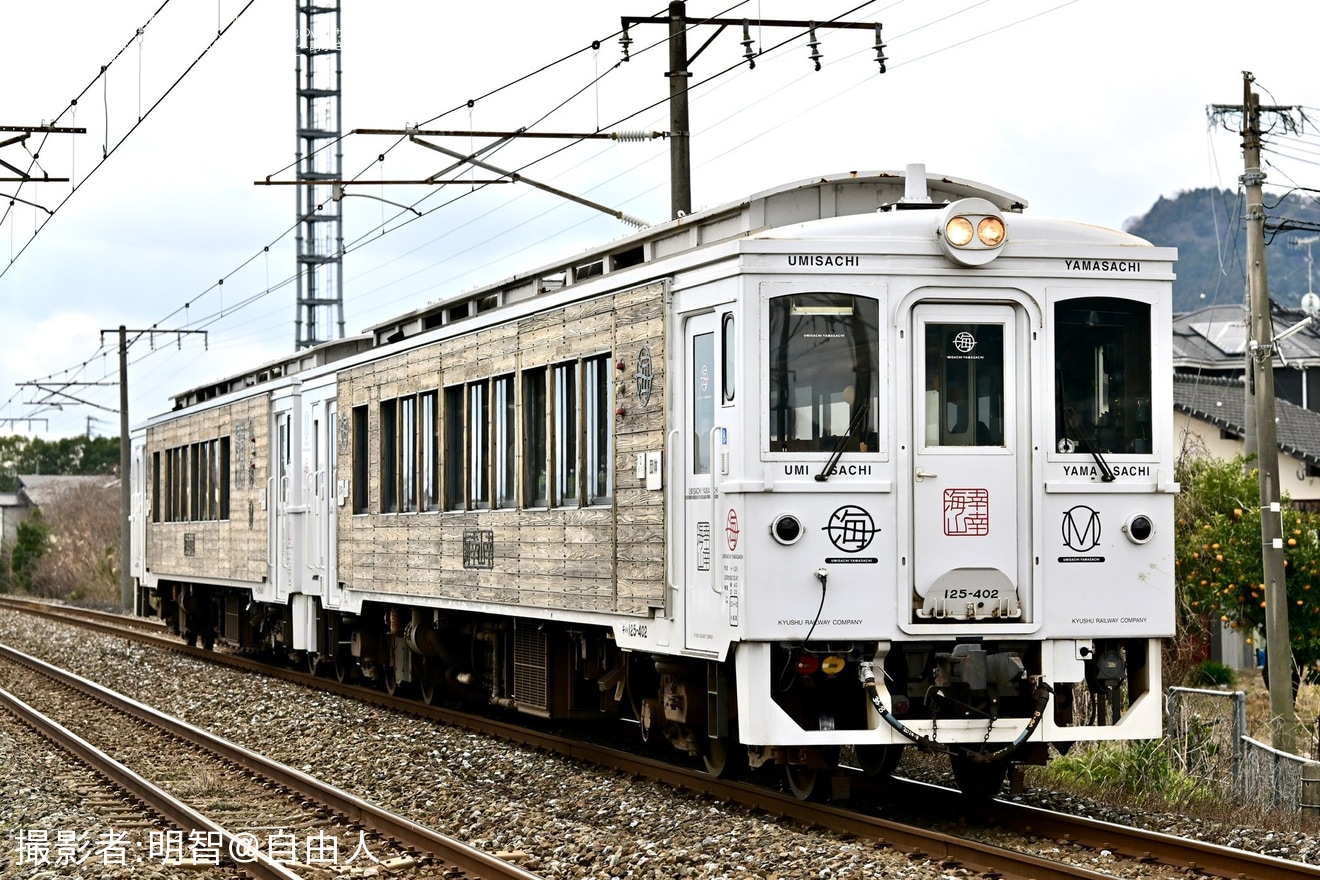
[1088, 109]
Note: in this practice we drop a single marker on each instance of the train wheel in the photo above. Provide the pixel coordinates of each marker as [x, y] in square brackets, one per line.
[391, 681]
[725, 758]
[879, 760]
[978, 779]
[343, 668]
[807, 783]
[313, 662]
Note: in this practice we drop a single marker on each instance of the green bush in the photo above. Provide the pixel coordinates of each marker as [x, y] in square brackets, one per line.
[1133, 769]
[1210, 674]
[30, 543]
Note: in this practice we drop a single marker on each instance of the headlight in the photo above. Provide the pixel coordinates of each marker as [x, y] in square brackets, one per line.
[958, 231]
[990, 231]
[971, 232]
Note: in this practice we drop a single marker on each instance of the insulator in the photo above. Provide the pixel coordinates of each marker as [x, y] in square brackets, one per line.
[880, 48]
[747, 46]
[625, 41]
[815, 45]
[634, 135]
[633, 221]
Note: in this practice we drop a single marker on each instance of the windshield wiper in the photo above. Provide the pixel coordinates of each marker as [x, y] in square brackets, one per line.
[856, 423]
[1070, 422]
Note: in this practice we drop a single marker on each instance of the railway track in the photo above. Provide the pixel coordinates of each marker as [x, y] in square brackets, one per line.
[152, 757]
[1150, 850]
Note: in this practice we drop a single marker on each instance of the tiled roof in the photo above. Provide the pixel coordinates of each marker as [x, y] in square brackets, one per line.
[42, 489]
[1213, 337]
[1221, 402]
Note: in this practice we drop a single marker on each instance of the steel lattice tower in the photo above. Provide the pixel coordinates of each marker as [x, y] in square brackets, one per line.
[320, 160]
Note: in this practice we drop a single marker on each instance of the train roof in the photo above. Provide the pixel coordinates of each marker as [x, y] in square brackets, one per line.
[850, 194]
[1022, 230]
[838, 195]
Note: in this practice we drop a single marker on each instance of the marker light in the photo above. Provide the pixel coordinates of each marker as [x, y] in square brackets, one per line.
[971, 231]
[786, 528]
[833, 664]
[807, 665]
[1139, 528]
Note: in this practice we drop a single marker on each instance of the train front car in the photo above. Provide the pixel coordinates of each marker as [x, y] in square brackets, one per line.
[945, 519]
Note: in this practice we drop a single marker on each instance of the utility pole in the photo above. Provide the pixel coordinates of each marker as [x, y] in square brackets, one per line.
[126, 457]
[1261, 347]
[680, 159]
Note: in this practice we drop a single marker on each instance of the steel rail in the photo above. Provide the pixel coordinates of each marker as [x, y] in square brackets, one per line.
[154, 798]
[473, 862]
[1204, 857]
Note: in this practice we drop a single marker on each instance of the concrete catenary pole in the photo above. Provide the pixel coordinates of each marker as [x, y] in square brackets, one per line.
[1278, 641]
[125, 490]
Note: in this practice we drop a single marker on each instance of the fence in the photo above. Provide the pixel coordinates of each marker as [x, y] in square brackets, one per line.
[1212, 746]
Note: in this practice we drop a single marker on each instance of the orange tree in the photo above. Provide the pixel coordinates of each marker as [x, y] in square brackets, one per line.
[1218, 553]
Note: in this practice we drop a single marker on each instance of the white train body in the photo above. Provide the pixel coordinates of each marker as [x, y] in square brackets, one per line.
[715, 476]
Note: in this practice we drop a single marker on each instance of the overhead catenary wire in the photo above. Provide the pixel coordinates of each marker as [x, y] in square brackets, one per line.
[228, 311]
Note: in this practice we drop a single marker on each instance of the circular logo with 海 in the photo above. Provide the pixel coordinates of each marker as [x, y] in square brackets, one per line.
[964, 342]
[851, 529]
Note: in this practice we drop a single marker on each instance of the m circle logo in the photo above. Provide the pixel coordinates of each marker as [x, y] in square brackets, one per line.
[1081, 528]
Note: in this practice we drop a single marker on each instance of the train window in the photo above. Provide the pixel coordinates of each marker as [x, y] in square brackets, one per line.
[190, 483]
[824, 364]
[478, 445]
[222, 465]
[598, 421]
[964, 384]
[505, 447]
[155, 487]
[430, 452]
[1102, 374]
[408, 454]
[703, 400]
[359, 459]
[536, 438]
[727, 374]
[453, 464]
[566, 435]
[389, 456]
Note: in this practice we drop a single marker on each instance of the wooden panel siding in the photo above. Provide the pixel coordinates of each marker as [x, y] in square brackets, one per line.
[561, 557]
[232, 548]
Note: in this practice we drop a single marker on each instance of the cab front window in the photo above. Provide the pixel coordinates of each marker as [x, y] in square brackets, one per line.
[824, 387]
[1102, 376]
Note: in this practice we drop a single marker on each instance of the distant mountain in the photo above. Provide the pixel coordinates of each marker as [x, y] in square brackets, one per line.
[1207, 228]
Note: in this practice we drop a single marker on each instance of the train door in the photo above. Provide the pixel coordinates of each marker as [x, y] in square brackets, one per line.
[703, 603]
[140, 512]
[286, 540]
[970, 531]
[328, 503]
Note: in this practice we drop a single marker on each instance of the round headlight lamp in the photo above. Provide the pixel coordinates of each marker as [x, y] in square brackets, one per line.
[971, 232]
[990, 231]
[958, 231]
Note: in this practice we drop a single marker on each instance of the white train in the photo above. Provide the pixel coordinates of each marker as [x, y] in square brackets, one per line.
[857, 463]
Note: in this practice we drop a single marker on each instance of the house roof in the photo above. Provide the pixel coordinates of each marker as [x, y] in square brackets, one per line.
[1222, 402]
[9, 499]
[1214, 337]
[42, 489]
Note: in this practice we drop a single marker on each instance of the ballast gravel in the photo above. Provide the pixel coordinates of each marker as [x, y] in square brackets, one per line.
[556, 819]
